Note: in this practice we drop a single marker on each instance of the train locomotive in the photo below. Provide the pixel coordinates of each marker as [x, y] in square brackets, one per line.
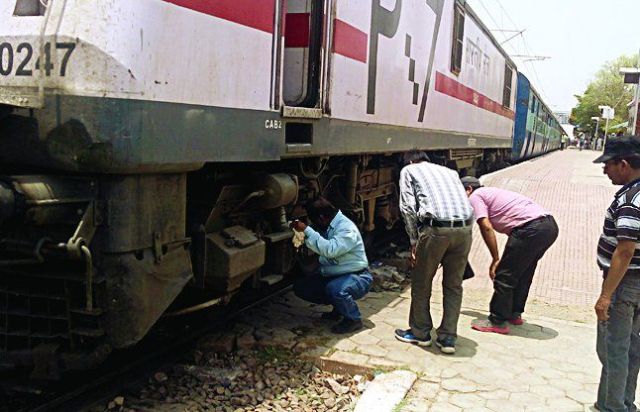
[156, 147]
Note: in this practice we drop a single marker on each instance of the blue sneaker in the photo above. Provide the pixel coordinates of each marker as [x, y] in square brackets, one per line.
[407, 336]
[447, 344]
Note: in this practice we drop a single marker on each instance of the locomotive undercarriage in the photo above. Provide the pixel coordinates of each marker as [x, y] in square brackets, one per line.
[86, 265]
[89, 264]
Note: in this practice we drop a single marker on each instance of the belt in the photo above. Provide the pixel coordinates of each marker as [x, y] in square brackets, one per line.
[538, 219]
[447, 223]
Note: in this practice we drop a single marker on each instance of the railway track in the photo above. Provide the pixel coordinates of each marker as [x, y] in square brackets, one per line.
[164, 344]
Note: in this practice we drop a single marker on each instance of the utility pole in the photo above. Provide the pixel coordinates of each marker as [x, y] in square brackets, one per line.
[632, 75]
[637, 102]
[607, 113]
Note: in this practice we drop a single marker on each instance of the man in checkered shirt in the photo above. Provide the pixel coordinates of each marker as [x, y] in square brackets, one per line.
[618, 307]
[438, 219]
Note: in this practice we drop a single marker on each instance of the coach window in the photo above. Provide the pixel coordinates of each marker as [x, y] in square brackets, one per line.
[30, 8]
[458, 40]
[532, 103]
[506, 93]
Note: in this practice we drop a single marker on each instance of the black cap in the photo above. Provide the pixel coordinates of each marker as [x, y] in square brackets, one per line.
[620, 147]
[470, 181]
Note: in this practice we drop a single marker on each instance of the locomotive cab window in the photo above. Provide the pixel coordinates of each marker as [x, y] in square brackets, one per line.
[30, 8]
[506, 93]
[458, 40]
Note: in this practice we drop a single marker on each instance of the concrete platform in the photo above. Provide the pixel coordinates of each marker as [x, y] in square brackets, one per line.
[547, 364]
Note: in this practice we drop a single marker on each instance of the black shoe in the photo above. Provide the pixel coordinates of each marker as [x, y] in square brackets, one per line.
[446, 344]
[333, 315]
[347, 326]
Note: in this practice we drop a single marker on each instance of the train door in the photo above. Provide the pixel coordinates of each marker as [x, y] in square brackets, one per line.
[536, 127]
[530, 126]
[303, 39]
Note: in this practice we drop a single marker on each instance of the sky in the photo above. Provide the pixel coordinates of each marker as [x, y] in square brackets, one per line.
[579, 36]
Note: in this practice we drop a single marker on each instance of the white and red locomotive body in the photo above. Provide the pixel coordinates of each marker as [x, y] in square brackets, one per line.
[133, 122]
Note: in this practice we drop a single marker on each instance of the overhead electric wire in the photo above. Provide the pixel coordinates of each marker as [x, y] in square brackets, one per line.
[516, 51]
[528, 51]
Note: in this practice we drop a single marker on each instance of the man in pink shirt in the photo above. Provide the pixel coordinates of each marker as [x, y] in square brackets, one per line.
[531, 230]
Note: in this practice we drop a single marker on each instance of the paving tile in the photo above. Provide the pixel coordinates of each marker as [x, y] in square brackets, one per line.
[402, 356]
[459, 385]
[550, 373]
[349, 357]
[373, 350]
[582, 396]
[495, 395]
[426, 390]
[443, 407]
[364, 338]
[564, 404]
[345, 345]
[383, 363]
[443, 396]
[547, 391]
[504, 405]
[467, 400]
[527, 399]
[566, 384]
[415, 405]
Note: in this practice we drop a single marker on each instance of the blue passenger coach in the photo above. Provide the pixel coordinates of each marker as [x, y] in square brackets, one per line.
[536, 130]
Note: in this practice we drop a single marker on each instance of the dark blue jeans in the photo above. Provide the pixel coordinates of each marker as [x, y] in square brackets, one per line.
[618, 348]
[340, 291]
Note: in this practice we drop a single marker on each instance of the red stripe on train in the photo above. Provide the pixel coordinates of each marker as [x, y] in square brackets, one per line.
[257, 14]
[455, 89]
[348, 41]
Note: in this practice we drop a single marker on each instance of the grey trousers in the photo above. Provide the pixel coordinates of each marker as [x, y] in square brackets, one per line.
[618, 348]
[449, 247]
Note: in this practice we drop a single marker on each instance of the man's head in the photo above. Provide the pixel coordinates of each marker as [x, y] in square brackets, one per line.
[621, 158]
[470, 184]
[414, 156]
[321, 212]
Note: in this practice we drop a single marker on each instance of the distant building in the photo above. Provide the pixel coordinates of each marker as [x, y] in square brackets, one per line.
[563, 117]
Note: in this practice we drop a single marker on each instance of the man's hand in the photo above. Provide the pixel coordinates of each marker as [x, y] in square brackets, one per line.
[298, 226]
[493, 267]
[602, 307]
[412, 258]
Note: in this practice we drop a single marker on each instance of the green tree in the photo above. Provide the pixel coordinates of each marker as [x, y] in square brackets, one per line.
[607, 89]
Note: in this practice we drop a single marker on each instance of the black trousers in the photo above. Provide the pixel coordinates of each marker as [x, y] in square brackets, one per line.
[525, 247]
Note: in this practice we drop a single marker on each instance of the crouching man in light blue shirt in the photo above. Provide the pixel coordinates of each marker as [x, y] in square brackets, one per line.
[343, 275]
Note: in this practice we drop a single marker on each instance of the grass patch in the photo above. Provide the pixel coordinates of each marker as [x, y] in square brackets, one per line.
[401, 406]
[274, 354]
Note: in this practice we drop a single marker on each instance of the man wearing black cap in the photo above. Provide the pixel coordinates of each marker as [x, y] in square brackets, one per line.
[618, 307]
[531, 230]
